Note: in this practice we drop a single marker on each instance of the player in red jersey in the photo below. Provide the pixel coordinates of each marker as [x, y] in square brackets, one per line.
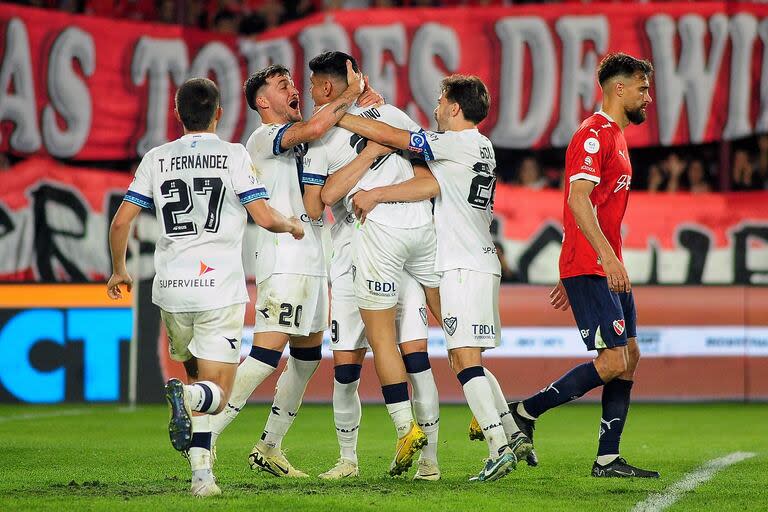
[593, 280]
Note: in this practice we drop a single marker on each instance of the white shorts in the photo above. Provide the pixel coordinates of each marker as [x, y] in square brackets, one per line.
[347, 329]
[212, 335]
[469, 301]
[381, 253]
[294, 304]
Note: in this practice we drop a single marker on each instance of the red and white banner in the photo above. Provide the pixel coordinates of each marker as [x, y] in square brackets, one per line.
[63, 94]
[54, 221]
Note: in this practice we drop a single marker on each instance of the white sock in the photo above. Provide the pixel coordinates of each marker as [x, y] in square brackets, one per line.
[426, 408]
[507, 421]
[346, 415]
[203, 396]
[480, 399]
[250, 374]
[200, 458]
[402, 416]
[606, 459]
[288, 395]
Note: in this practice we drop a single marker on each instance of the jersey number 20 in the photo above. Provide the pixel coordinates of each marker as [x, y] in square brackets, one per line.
[179, 193]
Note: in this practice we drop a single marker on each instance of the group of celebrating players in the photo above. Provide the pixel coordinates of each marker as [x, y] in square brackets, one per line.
[412, 210]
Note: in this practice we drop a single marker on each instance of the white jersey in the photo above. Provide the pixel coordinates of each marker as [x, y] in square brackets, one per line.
[464, 165]
[280, 171]
[391, 170]
[197, 185]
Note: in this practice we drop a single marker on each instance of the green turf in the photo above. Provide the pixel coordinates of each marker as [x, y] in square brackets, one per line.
[108, 458]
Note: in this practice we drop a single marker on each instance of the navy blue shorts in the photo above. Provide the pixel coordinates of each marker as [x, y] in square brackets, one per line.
[605, 319]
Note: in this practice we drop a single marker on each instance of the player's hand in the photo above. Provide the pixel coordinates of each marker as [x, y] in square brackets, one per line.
[297, 230]
[363, 202]
[616, 274]
[558, 298]
[113, 286]
[354, 80]
[370, 96]
[376, 150]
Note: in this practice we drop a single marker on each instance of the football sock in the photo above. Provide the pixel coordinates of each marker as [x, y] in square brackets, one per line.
[204, 396]
[200, 450]
[507, 421]
[346, 408]
[289, 392]
[426, 405]
[252, 371]
[569, 387]
[616, 395]
[398, 406]
[479, 396]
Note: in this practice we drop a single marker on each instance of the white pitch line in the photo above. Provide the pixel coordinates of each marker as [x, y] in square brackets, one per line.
[659, 501]
[43, 415]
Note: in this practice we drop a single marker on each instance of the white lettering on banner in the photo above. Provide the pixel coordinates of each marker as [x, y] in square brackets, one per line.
[217, 57]
[70, 97]
[430, 40]
[315, 40]
[373, 43]
[154, 60]
[515, 34]
[743, 30]
[577, 74]
[258, 55]
[19, 107]
[710, 341]
[693, 78]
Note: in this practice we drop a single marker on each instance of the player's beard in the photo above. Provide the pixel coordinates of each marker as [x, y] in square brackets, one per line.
[636, 116]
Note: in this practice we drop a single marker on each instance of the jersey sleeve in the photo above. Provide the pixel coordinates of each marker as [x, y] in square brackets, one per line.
[431, 145]
[246, 185]
[140, 190]
[315, 165]
[265, 144]
[586, 155]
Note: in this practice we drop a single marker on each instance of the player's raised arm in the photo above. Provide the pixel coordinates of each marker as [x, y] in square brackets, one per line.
[422, 186]
[376, 131]
[326, 117]
[341, 182]
[584, 213]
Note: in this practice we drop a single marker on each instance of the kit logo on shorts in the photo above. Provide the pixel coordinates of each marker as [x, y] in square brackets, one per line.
[423, 313]
[450, 324]
[354, 272]
[618, 326]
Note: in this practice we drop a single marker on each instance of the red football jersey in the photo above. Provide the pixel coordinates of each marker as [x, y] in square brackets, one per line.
[598, 153]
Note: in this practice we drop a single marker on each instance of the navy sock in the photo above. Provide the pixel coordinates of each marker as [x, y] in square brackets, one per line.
[416, 362]
[615, 409]
[201, 440]
[266, 356]
[307, 353]
[347, 373]
[395, 393]
[569, 387]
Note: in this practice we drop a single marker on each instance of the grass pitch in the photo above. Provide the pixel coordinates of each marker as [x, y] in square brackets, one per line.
[109, 458]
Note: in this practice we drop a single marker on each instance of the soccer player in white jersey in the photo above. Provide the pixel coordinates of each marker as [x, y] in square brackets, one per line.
[332, 167]
[292, 286]
[198, 186]
[462, 163]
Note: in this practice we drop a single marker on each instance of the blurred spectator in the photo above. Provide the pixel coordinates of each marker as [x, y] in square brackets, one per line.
[529, 174]
[743, 172]
[226, 22]
[166, 11]
[762, 159]
[698, 181]
[5, 162]
[655, 178]
[673, 168]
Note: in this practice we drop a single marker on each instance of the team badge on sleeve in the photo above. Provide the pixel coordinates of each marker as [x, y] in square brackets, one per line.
[418, 141]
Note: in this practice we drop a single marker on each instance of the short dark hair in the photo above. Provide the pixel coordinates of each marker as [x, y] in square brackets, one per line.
[333, 64]
[259, 79]
[197, 100]
[621, 64]
[470, 93]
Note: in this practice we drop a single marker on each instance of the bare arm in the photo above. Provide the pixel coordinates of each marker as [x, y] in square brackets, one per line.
[272, 220]
[584, 213]
[376, 131]
[422, 186]
[325, 118]
[118, 244]
[341, 182]
[313, 201]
